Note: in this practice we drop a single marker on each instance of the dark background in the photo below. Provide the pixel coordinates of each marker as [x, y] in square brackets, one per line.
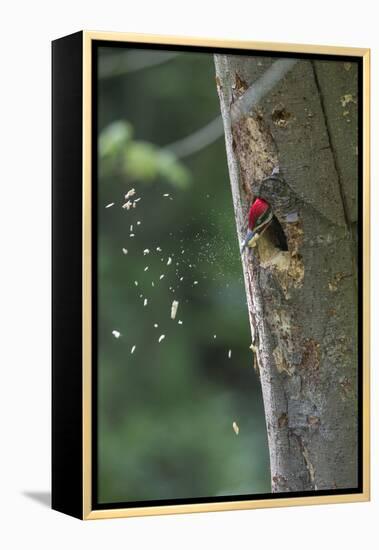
[166, 411]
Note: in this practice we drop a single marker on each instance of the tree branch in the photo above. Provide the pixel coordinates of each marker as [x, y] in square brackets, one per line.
[261, 87]
[214, 129]
[198, 140]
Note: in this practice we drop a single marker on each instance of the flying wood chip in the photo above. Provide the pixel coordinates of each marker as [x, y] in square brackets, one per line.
[174, 309]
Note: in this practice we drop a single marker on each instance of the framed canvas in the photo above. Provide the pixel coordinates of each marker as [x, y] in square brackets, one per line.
[210, 275]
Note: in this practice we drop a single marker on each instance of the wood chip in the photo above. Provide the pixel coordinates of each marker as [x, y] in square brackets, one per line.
[236, 428]
[109, 205]
[116, 333]
[130, 193]
[174, 309]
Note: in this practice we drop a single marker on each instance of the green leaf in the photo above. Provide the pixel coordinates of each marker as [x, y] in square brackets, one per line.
[141, 161]
[114, 138]
[173, 170]
[138, 160]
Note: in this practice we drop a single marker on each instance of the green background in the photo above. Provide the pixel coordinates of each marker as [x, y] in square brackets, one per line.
[165, 412]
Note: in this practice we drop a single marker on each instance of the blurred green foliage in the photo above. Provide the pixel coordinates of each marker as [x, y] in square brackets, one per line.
[138, 160]
[165, 410]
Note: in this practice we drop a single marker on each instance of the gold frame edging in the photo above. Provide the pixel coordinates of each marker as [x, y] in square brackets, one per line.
[88, 513]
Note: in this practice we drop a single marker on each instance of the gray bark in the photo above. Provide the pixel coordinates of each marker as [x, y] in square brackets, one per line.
[302, 303]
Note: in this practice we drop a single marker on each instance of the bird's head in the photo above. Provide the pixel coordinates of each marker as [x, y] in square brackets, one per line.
[256, 212]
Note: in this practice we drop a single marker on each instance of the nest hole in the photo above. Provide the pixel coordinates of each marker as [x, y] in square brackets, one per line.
[280, 116]
[277, 235]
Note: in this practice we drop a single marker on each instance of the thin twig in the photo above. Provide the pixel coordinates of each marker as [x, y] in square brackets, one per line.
[261, 87]
[198, 140]
[212, 131]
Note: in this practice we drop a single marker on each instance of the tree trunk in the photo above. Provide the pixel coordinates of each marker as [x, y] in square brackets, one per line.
[302, 302]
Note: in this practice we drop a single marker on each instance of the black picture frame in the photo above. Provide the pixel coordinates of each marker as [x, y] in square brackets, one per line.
[74, 343]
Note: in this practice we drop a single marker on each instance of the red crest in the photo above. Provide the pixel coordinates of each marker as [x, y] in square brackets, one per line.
[258, 207]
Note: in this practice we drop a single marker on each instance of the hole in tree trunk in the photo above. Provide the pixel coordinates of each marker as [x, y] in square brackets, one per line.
[277, 235]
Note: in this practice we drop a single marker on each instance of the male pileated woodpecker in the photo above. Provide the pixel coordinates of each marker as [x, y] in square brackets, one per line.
[260, 217]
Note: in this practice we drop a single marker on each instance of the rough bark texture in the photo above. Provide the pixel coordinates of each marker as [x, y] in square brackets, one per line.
[302, 303]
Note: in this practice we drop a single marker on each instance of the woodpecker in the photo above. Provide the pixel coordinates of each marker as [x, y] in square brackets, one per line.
[260, 216]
